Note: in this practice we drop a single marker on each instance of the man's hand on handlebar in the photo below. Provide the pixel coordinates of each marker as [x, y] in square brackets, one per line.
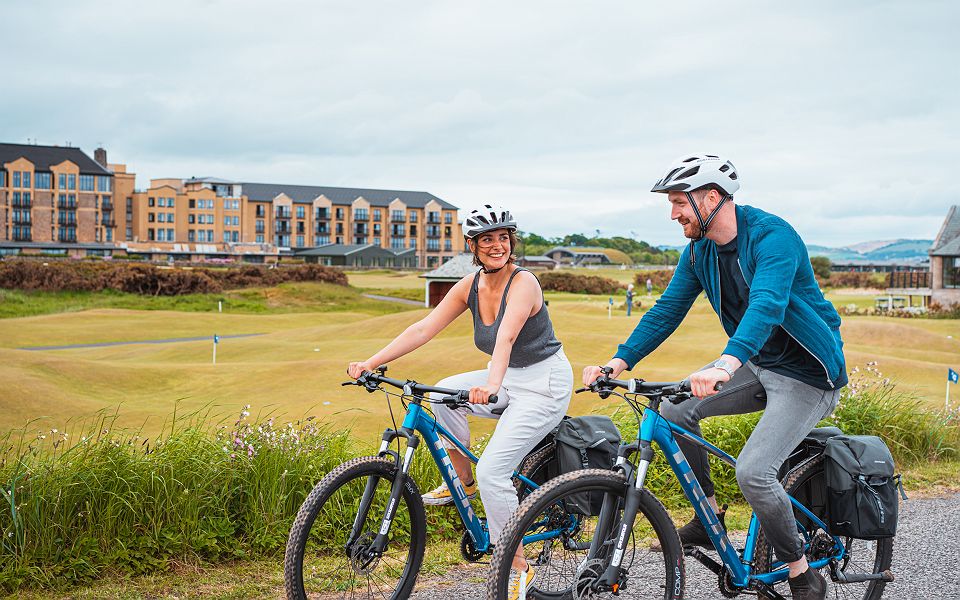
[591, 373]
[705, 383]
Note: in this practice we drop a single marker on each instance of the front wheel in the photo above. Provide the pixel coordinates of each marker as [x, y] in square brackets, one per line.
[329, 549]
[561, 560]
[807, 484]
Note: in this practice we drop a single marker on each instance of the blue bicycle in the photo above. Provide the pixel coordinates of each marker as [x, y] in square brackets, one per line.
[620, 562]
[361, 532]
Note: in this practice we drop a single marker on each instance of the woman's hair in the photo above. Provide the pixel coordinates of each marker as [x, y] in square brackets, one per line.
[514, 242]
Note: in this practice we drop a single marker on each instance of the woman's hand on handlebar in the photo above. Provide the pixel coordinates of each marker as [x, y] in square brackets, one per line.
[356, 369]
[480, 394]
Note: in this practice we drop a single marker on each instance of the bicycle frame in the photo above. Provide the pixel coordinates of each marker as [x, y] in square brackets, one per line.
[418, 420]
[655, 428]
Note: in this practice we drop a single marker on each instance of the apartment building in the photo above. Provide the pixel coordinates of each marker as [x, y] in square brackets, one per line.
[56, 199]
[229, 218]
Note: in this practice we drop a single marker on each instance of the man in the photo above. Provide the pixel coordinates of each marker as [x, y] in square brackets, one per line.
[784, 355]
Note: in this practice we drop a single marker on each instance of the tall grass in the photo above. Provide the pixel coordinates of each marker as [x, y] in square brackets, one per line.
[91, 499]
[76, 505]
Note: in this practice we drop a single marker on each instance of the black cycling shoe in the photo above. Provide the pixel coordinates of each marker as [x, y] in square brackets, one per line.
[809, 585]
[694, 533]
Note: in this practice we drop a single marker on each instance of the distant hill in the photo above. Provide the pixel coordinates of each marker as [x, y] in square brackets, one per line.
[899, 250]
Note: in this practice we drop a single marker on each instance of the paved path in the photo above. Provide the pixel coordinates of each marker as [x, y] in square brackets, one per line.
[205, 338]
[392, 299]
[925, 562]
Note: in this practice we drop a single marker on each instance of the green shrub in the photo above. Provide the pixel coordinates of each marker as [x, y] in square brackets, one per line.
[578, 284]
[144, 279]
[659, 278]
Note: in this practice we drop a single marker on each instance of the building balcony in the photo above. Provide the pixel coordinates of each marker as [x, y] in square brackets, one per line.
[22, 237]
[21, 204]
[432, 249]
[66, 205]
[283, 228]
[108, 223]
[363, 218]
[433, 220]
[21, 220]
[322, 231]
[66, 237]
[106, 206]
[64, 221]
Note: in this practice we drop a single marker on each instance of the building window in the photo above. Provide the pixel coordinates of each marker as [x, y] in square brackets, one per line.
[16, 179]
[447, 218]
[361, 214]
[191, 236]
[236, 221]
[259, 238]
[150, 218]
[71, 181]
[226, 221]
[376, 242]
[236, 237]
[412, 216]
[104, 183]
[261, 211]
[86, 183]
[396, 215]
[340, 214]
[376, 214]
[299, 241]
[321, 240]
[413, 243]
[151, 202]
[951, 271]
[447, 246]
[129, 233]
[300, 212]
[322, 213]
[62, 181]
[3, 178]
[42, 181]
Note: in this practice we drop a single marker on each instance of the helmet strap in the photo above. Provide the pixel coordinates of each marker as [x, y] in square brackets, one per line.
[704, 224]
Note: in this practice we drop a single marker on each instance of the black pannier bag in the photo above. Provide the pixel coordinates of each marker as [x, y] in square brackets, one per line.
[588, 442]
[861, 487]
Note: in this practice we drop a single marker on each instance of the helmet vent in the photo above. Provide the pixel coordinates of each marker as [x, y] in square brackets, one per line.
[733, 175]
[724, 168]
[689, 172]
[691, 159]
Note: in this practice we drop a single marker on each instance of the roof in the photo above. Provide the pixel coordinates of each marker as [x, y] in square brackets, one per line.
[457, 267]
[614, 255]
[265, 192]
[349, 249]
[538, 258]
[44, 157]
[948, 240]
[209, 180]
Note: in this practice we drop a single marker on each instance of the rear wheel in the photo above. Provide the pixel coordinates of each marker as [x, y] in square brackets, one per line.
[560, 561]
[806, 483]
[329, 549]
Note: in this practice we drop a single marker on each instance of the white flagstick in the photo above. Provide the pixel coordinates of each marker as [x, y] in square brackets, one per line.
[946, 402]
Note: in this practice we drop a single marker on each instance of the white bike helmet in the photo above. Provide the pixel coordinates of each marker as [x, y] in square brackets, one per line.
[488, 218]
[695, 171]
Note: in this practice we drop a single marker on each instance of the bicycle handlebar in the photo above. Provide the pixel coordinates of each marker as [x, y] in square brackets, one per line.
[674, 391]
[371, 380]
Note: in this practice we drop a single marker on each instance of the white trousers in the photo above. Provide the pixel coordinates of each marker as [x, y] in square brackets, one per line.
[536, 398]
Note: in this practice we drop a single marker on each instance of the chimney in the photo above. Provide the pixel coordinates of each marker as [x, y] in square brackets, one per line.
[100, 155]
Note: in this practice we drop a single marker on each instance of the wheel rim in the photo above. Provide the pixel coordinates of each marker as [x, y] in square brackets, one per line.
[334, 568]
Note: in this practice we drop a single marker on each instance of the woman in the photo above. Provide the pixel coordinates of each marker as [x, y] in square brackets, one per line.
[528, 370]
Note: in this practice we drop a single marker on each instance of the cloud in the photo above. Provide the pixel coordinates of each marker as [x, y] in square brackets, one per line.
[841, 118]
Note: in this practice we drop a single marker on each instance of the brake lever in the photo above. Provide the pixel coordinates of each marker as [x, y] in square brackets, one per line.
[354, 382]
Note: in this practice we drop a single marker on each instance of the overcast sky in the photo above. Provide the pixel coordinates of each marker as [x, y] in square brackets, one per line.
[841, 117]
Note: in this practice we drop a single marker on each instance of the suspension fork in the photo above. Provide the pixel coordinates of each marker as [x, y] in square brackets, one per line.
[379, 544]
[614, 573]
[606, 520]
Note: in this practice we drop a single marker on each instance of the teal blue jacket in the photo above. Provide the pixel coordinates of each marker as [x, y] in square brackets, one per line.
[783, 291]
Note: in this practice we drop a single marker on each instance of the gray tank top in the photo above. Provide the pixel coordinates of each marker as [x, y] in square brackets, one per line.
[535, 342]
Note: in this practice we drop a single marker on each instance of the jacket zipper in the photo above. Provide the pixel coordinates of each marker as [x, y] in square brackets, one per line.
[793, 337]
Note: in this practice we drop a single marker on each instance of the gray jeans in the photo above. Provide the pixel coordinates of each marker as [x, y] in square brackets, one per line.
[791, 409]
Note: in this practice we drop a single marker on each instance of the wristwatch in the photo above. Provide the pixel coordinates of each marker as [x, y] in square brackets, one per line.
[724, 365]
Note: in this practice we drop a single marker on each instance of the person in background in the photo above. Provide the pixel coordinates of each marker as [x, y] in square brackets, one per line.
[629, 298]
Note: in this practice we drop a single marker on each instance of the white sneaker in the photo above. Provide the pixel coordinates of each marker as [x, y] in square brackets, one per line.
[523, 580]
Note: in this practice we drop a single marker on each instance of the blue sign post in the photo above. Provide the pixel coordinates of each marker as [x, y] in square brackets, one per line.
[216, 340]
[952, 377]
